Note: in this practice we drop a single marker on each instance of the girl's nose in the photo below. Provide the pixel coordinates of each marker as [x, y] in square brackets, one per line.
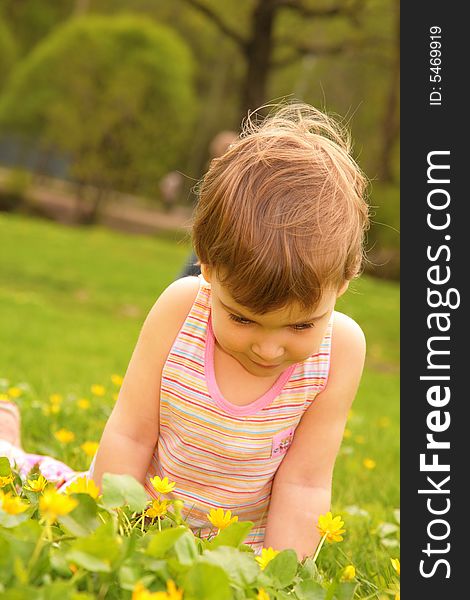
[267, 353]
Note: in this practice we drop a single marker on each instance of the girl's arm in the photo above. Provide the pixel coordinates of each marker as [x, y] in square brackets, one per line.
[302, 486]
[131, 432]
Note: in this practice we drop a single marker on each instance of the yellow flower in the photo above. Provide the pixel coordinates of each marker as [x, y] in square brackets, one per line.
[349, 573]
[83, 485]
[331, 527]
[64, 436]
[397, 596]
[4, 481]
[53, 505]
[36, 485]
[396, 565]
[89, 448]
[360, 439]
[162, 486]
[83, 403]
[98, 390]
[142, 593]
[116, 379]
[369, 463]
[14, 392]
[347, 434]
[13, 505]
[383, 422]
[55, 399]
[4, 398]
[267, 554]
[262, 594]
[173, 593]
[220, 519]
[157, 509]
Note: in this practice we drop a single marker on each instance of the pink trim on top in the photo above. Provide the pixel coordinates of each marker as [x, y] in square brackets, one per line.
[214, 391]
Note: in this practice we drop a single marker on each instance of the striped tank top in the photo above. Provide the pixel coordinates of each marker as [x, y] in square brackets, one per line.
[221, 455]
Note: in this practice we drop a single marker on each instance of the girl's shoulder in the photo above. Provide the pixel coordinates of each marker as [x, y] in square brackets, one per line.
[343, 325]
[348, 341]
[173, 306]
[180, 295]
[347, 357]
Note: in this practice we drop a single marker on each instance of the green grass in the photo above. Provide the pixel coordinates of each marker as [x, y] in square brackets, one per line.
[72, 301]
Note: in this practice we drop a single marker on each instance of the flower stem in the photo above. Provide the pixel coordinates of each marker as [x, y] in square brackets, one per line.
[319, 547]
[159, 524]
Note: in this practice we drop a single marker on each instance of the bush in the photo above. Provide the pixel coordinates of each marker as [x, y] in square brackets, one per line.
[113, 94]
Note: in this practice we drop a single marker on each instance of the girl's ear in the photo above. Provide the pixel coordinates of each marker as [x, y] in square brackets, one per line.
[341, 290]
[206, 272]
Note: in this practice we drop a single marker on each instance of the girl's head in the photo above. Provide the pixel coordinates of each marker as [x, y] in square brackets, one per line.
[281, 215]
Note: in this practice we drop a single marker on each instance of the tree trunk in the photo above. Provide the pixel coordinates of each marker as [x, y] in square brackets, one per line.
[258, 52]
[390, 122]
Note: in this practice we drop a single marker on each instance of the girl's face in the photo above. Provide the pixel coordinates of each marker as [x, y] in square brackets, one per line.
[265, 345]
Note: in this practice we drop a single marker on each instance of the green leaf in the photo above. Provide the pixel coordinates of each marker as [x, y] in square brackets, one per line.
[119, 490]
[161, 542]
[309, 570]
[233, 535]
[207, 582]
[280, 595]
[309, 590]
[186, 549]
[282, 568]
[97, 552]
[83, 519]
[239, 566]
[5, 468]
[89, 561]
[345, 590]
[58, 562]
[58, 590]
[21, 593]
[129, 574]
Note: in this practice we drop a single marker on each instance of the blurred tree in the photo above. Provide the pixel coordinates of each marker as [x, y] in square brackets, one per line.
[258, 44]
[390, 122]
[335, 55]
[31, 20]
[8, 52]
[113, 93]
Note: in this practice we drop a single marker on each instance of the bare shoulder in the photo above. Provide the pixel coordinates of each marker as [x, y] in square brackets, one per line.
[174, 303]
[347, 334]
[348, 349]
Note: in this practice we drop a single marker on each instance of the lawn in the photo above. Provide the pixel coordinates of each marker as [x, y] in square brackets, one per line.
[72, 301]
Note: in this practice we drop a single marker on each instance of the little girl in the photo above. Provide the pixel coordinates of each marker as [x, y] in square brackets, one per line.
[242, 378]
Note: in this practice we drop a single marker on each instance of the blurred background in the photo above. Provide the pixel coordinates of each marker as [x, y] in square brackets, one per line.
[110, 112]
[108, 108]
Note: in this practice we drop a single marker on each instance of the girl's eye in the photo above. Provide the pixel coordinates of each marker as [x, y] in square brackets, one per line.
[303, 326]
[242, 321]
[238, 319]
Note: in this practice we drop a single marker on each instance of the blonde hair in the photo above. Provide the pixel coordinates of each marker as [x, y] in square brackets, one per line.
[281, 215]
